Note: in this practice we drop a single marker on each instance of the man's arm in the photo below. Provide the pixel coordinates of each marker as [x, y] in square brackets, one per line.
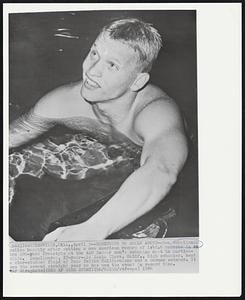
[163, 156]
[36, 121]
[27, 127]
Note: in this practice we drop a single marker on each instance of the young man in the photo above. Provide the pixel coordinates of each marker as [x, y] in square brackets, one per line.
[114, 94]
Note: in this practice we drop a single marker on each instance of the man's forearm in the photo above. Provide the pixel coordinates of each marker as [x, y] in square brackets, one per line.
[139, 193]
[27, 127]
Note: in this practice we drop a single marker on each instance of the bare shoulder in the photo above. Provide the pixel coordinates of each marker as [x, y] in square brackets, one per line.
[152, 91]
[159, 114]
[60, 102]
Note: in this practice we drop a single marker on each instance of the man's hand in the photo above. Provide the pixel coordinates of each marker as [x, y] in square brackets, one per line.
[77, 232]
[67, 233]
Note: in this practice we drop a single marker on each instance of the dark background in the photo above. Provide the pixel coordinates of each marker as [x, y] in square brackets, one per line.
[37, 66]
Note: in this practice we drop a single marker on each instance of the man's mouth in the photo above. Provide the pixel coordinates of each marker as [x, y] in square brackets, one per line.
[91, 84]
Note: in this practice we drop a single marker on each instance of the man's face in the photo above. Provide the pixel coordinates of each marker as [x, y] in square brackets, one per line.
[109, 70]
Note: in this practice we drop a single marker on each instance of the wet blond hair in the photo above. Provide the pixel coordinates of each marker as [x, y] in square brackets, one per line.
[139, 35]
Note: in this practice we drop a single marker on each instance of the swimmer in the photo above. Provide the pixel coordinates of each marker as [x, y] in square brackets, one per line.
[115, 94]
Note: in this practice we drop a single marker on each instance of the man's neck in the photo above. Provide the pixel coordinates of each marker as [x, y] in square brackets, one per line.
[115, 111]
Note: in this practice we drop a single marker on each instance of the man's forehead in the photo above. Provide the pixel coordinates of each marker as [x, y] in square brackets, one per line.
[116, 48]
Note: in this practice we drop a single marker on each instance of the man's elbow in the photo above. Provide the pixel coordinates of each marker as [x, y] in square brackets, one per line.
[168, 172]
[171, 178]
[168, 177]
[162, 181]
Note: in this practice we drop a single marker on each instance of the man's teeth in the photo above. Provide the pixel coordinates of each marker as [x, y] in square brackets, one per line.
[91, 83]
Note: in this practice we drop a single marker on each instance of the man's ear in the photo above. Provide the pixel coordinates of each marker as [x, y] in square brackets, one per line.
[140, 82]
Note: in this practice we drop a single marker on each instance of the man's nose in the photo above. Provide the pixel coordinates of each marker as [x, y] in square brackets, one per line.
[95, 69]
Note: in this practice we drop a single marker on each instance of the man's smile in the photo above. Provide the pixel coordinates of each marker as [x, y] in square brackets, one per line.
[90, 84]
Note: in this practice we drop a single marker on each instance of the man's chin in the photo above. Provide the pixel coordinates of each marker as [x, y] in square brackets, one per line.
[91, 101]
[93, 96]
[88, 98]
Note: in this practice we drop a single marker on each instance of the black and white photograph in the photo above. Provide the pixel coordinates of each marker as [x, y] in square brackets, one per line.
[103, 125]
[122, 156]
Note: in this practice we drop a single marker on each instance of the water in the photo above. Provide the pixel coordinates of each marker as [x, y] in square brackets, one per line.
[46, 51]
[62, 174]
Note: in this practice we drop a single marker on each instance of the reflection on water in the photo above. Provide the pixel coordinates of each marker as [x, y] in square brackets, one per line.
[69, 157]
[59, 175]
[65, 179]
[65, 33]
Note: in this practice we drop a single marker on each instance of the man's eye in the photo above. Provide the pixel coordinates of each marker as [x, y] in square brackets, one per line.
[93, 53]
[113, 66]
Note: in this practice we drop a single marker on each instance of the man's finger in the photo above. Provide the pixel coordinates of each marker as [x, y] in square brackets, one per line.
[52, 235]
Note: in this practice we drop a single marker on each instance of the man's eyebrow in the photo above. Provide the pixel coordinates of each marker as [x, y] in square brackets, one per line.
[113, 59]
[93, 46]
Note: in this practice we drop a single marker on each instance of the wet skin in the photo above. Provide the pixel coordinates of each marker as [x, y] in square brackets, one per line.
[115, 94]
